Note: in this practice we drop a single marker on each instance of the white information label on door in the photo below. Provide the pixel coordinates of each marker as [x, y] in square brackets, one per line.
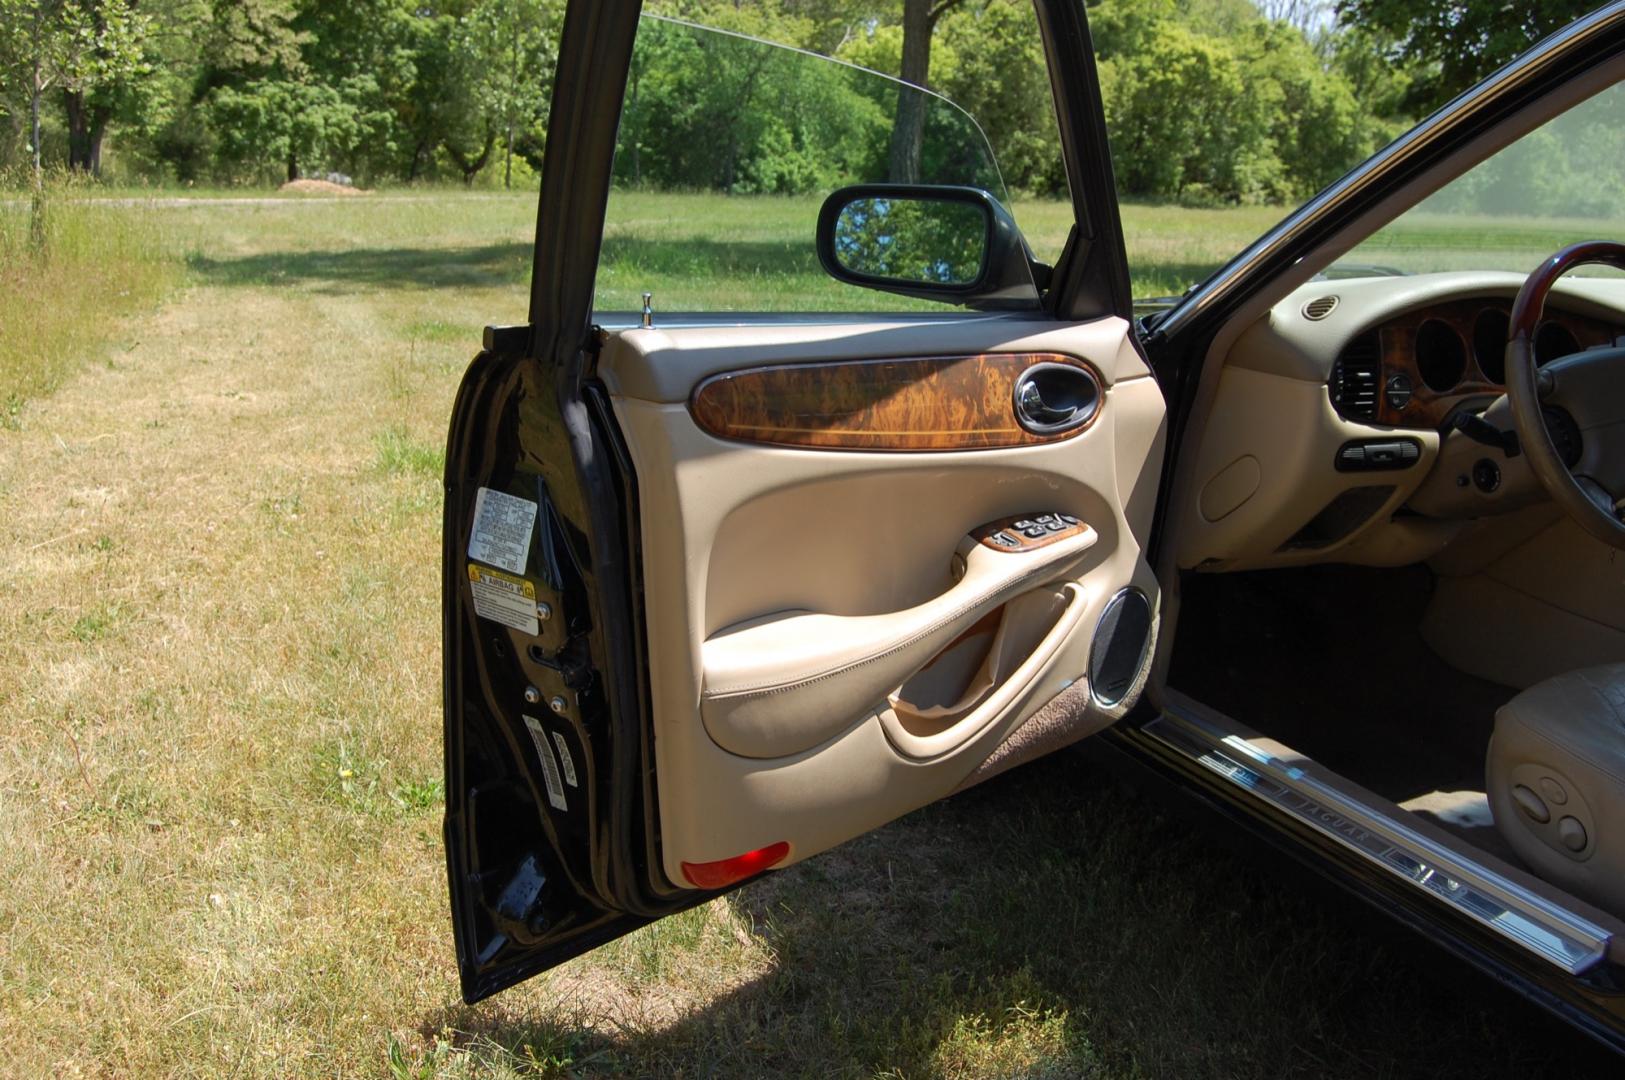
[504, 598]
[550, 768]
[502, 527]
[566, 760]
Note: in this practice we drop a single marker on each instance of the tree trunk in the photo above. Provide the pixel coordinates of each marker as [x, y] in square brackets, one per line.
[87, 124]
[632, 127]
[293, 166]
[99, 117]
[507, 144]
[73, 102]
[36, 205]
[507, 158]
[470, 167]
[908, 129]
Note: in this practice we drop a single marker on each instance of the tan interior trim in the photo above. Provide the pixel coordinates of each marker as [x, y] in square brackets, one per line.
[736, 534]
[1291, 434]
[1526, 598]
[923, 738]
[785, 682]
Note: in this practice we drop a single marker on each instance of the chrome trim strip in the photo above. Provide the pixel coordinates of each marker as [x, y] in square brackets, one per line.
[1525, 918]
[1376, 170]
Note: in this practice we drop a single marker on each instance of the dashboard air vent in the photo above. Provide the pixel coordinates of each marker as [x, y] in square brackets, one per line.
[1320, 307]
[1355, 378]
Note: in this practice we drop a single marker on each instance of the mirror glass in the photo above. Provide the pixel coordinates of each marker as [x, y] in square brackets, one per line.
[913, 239]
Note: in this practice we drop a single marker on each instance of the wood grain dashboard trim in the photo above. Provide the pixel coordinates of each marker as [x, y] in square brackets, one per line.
[1429, 406]
[903, 404]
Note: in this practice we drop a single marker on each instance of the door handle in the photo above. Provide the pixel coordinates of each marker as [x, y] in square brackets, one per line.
[1054, 398]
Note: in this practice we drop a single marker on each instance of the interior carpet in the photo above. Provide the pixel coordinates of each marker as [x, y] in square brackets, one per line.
[1329, 661]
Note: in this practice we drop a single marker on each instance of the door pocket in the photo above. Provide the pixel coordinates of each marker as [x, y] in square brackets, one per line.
[981, 673]
[782, 683]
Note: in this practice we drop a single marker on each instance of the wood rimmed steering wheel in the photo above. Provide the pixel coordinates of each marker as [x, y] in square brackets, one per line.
[1570, 413]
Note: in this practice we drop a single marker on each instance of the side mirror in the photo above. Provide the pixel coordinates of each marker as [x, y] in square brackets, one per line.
[952, 244]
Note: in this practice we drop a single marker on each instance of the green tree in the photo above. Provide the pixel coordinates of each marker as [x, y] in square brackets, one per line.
[1317, 128]
[503, 52]
[291, 84]
[712, 110]
[1451, 44]
[248, 85]
[1364, 56]
[1206, 99]
[105, 54]
[72, 45]
[1184, 121]
[920, 18]
[360, 50]
[994, 67]
[424, 108]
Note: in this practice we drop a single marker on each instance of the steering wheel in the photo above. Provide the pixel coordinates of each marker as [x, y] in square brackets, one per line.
[1582, 397]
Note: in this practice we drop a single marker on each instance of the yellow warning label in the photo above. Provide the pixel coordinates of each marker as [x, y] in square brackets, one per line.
[497, 579]
[504, 598]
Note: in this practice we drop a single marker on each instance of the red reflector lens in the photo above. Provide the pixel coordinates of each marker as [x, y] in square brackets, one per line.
[724, 872]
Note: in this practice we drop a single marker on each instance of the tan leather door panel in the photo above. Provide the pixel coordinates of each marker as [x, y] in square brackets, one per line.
[786, 682]
[835, 636]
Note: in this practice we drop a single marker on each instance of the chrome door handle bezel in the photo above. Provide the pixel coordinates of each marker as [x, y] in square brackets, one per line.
[1041, 416]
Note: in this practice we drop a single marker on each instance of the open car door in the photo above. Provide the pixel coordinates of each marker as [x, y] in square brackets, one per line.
[722, 593]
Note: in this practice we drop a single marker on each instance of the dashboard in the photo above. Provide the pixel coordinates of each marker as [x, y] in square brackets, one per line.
[1414, 369]
[1328, 435]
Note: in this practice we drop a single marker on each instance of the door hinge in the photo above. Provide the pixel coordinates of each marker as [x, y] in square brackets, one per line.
[507, 339]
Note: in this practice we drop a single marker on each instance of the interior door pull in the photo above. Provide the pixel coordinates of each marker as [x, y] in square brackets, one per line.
[783, 683]
[1054, 398]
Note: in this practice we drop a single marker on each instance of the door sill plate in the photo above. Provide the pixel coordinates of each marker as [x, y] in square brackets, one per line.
[1558, 936]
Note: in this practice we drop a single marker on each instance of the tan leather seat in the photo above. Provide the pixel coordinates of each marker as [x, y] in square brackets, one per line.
[1557, 781]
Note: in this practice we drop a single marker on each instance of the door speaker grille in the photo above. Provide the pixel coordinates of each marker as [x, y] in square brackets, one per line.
[1122, 638]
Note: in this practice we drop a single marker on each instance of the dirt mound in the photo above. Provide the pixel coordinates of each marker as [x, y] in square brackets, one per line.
[319, 187]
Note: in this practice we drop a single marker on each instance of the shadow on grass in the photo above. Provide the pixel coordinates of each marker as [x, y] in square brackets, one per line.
[693, 257]
[501, 264]
[1054, 924]
[367, 269]
[690, 264]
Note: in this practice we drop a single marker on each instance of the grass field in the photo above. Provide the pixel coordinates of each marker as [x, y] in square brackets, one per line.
[100, 264]
[220, 787]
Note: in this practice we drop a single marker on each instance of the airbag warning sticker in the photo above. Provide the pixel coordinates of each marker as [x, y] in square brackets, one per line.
[502, 527]
[504, 599]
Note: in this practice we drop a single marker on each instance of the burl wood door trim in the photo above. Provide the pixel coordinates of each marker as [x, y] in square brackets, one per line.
[906, 404]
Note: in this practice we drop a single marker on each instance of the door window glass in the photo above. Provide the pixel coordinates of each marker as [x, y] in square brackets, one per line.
[1559, 184]
[730, 142]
